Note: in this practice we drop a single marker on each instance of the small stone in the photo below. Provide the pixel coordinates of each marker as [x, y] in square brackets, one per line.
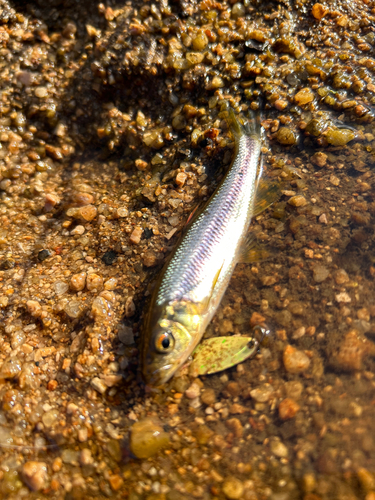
[200, 41]
[122, 212]
[116, 482]
[297, 201]
[141, 164]
[208, 397]
[98, 385]
[109, 257]
[320, 273]
[319, 11]
[280, 104]
[193, 391]
[279, 449]
[52, 385]
[41, 92]
[85, 457]
[295, 361]
[73, 309]
[4, 301]
[341, 277]
[319, 159]
[150, 258]
[136, 235]
[343, 298]
[60, 287]
[352, 351]
[256, 319]
[288, 409]
[100, 308]
[339, 137]
[233, 488]
[181, 179]
[234, 424]
[125, 335]
[323, 219]
[34, 308]
[44, 254]
[366, 479]
[147, 437]
[286, 136]
[78, 281]
[262, 394]
[87, 213]
[35, 475]
[94, 282]
[77, 231]
[304, 96]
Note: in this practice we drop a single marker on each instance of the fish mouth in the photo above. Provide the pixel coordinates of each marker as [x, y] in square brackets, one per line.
[159, 376]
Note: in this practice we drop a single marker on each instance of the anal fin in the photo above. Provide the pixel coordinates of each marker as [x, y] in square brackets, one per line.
[268, 191]
[251, 252]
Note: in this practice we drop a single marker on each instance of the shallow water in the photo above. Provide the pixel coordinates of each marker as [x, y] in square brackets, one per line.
[112, 131]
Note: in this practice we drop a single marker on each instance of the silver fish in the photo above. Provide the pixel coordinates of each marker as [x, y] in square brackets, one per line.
[196, 276]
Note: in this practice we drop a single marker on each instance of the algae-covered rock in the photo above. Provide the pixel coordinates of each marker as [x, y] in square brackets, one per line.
[147, 438]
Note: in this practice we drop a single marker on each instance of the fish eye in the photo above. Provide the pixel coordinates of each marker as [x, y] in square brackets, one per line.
[164, 342]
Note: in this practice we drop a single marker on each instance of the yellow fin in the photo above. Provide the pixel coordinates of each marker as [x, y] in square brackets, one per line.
[251, 252]
[268, 191]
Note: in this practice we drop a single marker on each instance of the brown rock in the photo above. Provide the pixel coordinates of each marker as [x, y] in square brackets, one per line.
[353, 350]
[319, 11]
[295, 361]
[256, 319]
[88, 213]
[319, 159]
[77, 282]
[136, 235]
[304, 96]
[35, 475]
[288, 409]
[235, 426]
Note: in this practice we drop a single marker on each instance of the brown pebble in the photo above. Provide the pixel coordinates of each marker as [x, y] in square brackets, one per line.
[77, 282]
[297, 201]
[94, 282]
[116, 482]
[319, 11]
[35, 475]
[88, 213]
[193, 391]
[181, 178]
[141, 164]
[256, 319]
[34, 308]
[208, 397]
[319, 159]
[82, 199]
[233, 388]
[235, 426]
[150, 259]
[353, 350]
[288, 409]
[52, 385]
[295, 361]
[136, 235]
[304, 96]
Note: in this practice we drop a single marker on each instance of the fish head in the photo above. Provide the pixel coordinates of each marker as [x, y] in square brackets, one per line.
[172, 338]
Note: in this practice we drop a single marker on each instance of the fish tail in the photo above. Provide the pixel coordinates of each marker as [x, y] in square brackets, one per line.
[251, 127]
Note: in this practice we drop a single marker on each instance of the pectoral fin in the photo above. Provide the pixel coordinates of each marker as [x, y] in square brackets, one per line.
[219, 353]
[206, 302]
[251, 252]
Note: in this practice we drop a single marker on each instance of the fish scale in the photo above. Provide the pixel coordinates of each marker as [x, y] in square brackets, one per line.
[187, 268]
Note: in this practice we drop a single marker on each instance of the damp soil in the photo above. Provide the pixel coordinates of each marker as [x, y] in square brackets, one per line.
[112, 131]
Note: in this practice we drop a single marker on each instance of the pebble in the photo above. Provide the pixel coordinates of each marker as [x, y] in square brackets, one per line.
[35, 475]
[319, 11]
[233, 488]
[208, 397]
[44, 254]
[109, 257]
[41, 92]
[343, 297]
[88, 213]
[262, 394]
[98, 385]
[94, 282]
[297, 201]
[256, 319]
[295, 361]
[60, 287]
[319, 159]
[304, 96]
[320, 273]
[288, 409]
[77, 282]
[279, 449]
[136, 235]
[85, 457]
[193, 391]
[78, 231]
[341, 277]
[147, 438]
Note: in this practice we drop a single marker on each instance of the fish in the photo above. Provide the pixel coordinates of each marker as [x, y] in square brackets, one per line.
[195, 277]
